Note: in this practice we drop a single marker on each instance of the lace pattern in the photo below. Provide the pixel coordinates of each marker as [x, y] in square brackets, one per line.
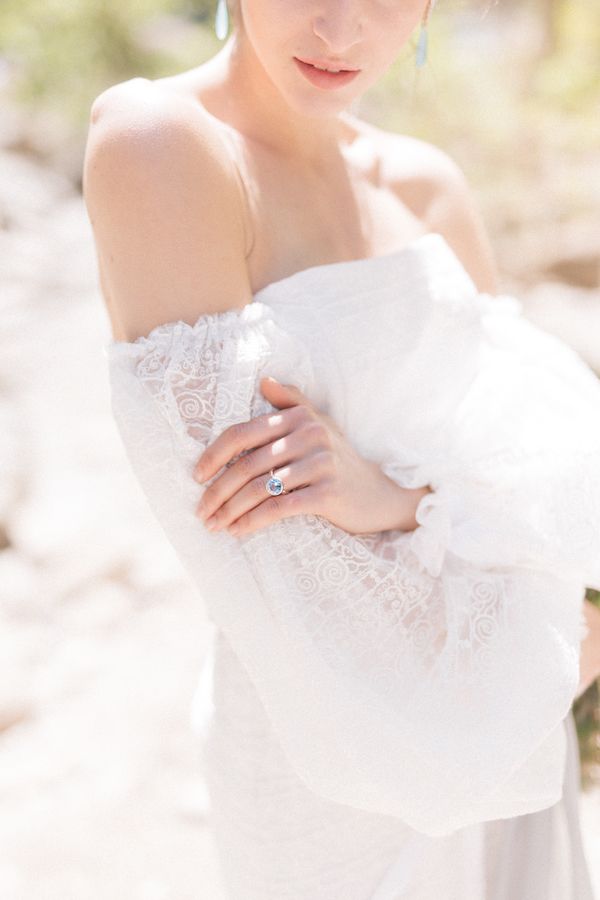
[423, 675]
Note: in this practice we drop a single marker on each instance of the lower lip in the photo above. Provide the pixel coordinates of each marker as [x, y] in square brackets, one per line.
[322, 79]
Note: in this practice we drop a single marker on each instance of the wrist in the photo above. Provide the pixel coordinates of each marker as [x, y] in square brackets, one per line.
[409, 501]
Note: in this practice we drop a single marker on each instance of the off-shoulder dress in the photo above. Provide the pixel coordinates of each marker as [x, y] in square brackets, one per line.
[387, 716]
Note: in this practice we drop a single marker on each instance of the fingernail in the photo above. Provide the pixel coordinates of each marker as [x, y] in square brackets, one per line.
[211, 524]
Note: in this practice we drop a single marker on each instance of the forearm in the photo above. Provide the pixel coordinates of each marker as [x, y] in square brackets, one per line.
[589, 660]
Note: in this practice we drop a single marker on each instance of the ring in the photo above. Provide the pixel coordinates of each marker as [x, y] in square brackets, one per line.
[275, 485]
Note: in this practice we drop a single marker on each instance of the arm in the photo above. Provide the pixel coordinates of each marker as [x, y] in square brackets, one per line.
[352, 627]
[590, 648]
[454, 213]
[164, 206]
[450, 209]
[337, 482]
[438, 664]
[166, 218]
[432, 184]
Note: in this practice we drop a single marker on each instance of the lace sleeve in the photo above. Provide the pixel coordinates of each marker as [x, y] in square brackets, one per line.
[433, 693]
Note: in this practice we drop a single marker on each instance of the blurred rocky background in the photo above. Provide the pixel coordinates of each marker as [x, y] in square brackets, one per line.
[101, 635]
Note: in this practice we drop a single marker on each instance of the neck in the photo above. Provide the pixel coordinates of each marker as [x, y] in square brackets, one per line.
[262, 113]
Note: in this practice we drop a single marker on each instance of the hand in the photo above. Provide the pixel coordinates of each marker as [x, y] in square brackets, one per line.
[322, 472]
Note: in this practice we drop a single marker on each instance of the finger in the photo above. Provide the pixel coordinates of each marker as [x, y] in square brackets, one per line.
[241, 436]
[286, 395]
[295, 475]
[305, 438]
[302, 501]
[243, 470]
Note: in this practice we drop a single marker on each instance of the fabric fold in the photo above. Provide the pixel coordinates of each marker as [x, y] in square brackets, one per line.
[424, 675]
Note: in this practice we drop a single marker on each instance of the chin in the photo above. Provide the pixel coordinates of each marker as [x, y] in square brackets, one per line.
[323, 111]
[320, 105]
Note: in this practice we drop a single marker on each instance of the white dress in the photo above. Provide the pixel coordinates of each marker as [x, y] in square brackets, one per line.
[387, 715]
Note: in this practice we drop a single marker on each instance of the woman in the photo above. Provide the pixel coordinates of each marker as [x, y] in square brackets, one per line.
[384, 481]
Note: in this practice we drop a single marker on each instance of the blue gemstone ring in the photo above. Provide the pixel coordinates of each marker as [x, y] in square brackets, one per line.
[275, 485]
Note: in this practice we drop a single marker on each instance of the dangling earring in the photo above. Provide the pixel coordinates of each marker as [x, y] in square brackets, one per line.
[421, 54]
[222, 20]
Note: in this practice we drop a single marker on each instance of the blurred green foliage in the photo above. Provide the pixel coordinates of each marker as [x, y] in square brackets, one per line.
[587, 718]
[63, 54]
[513, 93]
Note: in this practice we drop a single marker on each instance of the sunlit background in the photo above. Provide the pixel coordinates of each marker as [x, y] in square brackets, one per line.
[101, 637]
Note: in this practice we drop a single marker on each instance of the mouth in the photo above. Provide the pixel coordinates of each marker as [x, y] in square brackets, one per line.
[328, 76]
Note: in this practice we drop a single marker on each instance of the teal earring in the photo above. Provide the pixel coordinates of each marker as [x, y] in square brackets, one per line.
[421, 54]
[222, 20]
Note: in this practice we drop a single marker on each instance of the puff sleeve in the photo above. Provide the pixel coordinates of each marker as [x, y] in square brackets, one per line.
[404, 673]
[519, 481]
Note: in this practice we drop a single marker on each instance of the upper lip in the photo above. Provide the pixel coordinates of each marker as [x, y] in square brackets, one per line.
[328, 63]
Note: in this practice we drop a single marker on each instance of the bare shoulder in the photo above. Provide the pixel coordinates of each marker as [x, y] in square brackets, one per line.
[165, 210]
[435, 189]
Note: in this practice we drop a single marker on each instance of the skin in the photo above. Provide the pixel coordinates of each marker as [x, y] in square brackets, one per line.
[318, 186]
[329, 186]
[339, 484]
[311, 132]
[354, 190]
[307, 130]
[293, 117]
[589, 660]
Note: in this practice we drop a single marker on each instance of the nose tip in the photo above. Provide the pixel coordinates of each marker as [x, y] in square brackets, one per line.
[338, 32]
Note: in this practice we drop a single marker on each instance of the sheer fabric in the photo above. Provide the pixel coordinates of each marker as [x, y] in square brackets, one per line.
[423, 675]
